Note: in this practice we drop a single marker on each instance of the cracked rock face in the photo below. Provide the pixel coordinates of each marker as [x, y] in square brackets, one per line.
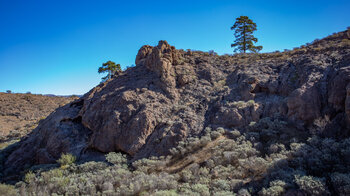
[172, 94]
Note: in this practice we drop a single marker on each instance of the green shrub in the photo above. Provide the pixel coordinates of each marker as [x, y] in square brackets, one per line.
[201, 189]
[116, 158]
[239, 104]
[312, 185]
[221, 130]
[235, 134]
[276, 188]
[272, 191]
[148, 165]
[252, 123]
[220, 185]
[250, 102]
[29, 177]
[165, 193]
[66, 160]
[215, 134]
[223, 193]
[243, 104]
[7, 190]
[49, 175]
[243, 192]
[92, 166]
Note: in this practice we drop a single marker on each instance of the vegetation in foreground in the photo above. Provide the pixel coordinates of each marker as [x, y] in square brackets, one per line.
[269, 158]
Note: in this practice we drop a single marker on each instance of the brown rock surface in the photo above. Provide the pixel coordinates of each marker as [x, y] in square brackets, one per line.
[304, 104]
[347, 105]
[172, 94]
[337, 89]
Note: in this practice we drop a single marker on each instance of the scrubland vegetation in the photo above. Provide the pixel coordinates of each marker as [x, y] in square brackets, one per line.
[269, 158]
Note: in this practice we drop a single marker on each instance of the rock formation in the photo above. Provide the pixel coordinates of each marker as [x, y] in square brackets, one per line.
[172, 94]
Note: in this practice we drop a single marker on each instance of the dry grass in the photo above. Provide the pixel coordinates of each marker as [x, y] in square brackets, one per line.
[199, 156]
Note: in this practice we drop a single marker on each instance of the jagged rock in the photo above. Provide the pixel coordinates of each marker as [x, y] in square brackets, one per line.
[185, 74]
[160, 60]
[304, 104]
[347, 105]
[60, 132]
[337, 88]
[142, 54]
[237, 116]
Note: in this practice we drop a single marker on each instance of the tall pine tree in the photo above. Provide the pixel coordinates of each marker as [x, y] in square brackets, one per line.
[244, 28]
[111, 68]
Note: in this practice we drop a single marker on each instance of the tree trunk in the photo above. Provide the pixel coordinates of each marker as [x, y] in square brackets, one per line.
[244, 42]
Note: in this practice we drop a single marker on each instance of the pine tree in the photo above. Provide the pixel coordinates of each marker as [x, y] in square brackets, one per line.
[111, 68]
[244, 28]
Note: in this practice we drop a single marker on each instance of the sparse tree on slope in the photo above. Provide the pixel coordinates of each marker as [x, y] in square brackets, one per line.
[111, 68]
[244, 28]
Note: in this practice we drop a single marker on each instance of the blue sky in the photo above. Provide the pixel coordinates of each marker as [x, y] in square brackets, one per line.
[56, 46]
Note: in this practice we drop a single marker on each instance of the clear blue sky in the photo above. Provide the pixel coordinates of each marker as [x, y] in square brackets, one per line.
[56, 46]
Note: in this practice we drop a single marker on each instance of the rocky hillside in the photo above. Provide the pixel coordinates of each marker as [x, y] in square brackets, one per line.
[172, 94]
[20, 113]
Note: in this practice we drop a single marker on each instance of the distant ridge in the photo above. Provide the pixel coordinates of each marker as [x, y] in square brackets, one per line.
[20, 113]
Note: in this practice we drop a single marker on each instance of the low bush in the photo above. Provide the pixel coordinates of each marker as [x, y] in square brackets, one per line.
[66, 160]
[268, 158]
[312, 185]
[7, 190]
[116, 158]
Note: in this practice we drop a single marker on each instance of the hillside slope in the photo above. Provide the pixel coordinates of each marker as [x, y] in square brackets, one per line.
[172, 94]
[20, 113]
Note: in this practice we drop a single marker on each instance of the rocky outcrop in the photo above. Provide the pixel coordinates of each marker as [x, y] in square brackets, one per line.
[172, 94]
[304, 104]
[237, 114]
[347, 105]
[60, 132]
[161, 60]
[337, 88]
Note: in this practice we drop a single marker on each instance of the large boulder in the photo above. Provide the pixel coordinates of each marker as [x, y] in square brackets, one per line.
[304, 104]
[337, 88]
[160, 60]
[347, 105]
